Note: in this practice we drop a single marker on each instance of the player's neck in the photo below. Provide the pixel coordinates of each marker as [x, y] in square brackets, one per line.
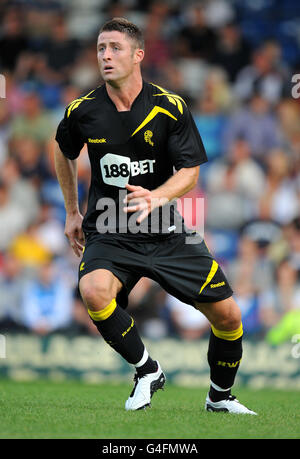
[124, 94]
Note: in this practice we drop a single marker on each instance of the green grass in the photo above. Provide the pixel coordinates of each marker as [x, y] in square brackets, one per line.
[72, 409]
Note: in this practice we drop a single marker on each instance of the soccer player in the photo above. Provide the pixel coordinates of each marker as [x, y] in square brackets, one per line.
[137, 135]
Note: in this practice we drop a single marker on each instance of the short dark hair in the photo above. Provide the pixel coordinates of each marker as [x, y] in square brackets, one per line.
[124, 26]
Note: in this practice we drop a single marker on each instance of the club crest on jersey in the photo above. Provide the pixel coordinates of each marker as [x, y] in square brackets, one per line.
[148, 137]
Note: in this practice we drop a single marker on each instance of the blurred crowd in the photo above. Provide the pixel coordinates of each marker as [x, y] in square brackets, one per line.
[232, 61]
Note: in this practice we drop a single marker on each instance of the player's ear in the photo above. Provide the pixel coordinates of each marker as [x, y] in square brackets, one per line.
[138, 55]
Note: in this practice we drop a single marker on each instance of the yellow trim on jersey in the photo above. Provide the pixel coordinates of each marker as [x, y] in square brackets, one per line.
[211, 274]
[152, 115]
[173, 98]
[104, 313]
[75, 103]
[231, 335]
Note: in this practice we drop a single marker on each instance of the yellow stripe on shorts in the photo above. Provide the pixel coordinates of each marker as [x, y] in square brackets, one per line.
[211, 274]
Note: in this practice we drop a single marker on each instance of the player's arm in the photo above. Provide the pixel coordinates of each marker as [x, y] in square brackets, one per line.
[176, 186]
[66, 171]
[142, 199]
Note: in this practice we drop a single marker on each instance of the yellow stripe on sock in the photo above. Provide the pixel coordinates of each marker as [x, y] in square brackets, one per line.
[212, 272]
[104, 313]
[231, 335]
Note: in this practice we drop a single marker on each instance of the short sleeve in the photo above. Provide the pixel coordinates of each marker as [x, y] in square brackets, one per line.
[69, 138]
[185, 146]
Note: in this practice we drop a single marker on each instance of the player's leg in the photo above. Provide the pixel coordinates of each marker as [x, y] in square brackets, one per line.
[224, 353]
[99, 290]
[189, 272]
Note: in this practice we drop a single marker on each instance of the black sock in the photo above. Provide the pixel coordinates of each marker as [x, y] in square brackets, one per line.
[217, 395]
[224, 358]
[149, 367]
[120, 332]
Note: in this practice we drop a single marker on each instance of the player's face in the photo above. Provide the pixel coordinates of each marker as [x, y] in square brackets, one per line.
[117, 56]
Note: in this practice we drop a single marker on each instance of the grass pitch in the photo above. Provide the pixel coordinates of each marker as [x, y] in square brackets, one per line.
[43, 409]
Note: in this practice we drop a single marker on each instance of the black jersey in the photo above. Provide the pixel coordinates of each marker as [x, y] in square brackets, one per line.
[142, 147]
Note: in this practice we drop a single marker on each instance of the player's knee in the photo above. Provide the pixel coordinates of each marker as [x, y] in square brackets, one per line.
[229, 316]
[96, 296]
[229, 320]
[228, 323]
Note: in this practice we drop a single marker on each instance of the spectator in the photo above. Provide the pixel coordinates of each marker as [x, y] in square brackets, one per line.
[29, 249]
[46, 82]
[188, 322]
[22, 192]
[13, 102]
[218, 13]
[232, 50]
[288, 113]
[33, 121]
[68, 93]
[284, 304]
[252, 270]
[210, 113]
[256, 123]
[50, 231]
[13, 217]
[61, 50]
[81, 320]
[265, 75]
[196, 39]
[232, 186]
[4, 130]
[47, 303]
[263, 231]
[85, 72]
[283, 296]
[31, 159]
[280, 199]
[159, 49]
[250, 274]
[147, 300]
[12, 281]
[13, 40]
[292, 234]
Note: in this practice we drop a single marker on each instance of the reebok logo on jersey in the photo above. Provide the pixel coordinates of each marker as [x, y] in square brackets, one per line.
[96, 140]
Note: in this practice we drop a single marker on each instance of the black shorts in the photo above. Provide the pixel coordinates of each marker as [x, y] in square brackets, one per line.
[186, 271]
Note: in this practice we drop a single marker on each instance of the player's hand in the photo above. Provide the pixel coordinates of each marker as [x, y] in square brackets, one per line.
[73, 231]
[139, 200]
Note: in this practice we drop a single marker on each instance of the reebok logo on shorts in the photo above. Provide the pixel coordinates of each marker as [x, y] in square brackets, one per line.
[220, 284]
